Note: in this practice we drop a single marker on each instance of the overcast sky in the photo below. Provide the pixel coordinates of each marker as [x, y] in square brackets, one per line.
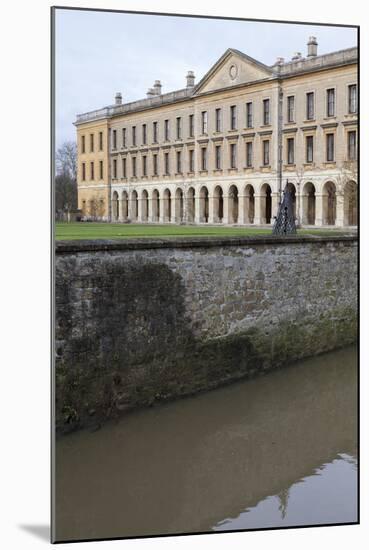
[101, 53]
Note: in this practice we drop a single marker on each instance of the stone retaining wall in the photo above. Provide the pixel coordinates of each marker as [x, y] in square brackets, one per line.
[144, 321]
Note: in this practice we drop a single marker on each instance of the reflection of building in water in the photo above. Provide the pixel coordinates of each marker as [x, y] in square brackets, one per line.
[283, 501]
[187, 466]
[208, 153]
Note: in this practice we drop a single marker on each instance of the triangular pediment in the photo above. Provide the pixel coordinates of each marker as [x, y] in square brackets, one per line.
[233, 68]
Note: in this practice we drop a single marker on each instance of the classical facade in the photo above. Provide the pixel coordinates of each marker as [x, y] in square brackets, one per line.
[222, 150]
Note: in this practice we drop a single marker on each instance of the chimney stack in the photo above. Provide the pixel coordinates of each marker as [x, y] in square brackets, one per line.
[190, 77]
[150, 93]
[312, 47]
[297, 56]
[157, 87]
[118, 98]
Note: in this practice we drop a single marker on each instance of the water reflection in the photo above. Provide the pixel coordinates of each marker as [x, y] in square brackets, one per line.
[328, 496]
[277, 450]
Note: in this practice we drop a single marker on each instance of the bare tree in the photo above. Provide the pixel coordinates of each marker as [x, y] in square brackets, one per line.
[66, 178]
[96, 208]
[66, 160]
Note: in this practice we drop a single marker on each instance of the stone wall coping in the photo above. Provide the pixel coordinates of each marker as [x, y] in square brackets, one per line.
[107, 245]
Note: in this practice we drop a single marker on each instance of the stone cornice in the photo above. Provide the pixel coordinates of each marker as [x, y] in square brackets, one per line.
[309, 128]
[349, 122]
[77, 246]
[329, 125]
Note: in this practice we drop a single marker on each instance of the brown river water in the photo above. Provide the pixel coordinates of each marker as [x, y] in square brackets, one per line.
[278, 450]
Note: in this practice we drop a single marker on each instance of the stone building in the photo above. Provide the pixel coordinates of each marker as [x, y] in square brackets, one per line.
[222, 150]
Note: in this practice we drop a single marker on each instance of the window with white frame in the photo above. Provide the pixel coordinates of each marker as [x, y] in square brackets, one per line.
[309, 149]
[218, 158]
[331, 102]
[330, 147]
[249, 121]
[290, 151]
[291, 108]
[203, 158]
[310, 106]
[266, 112]
[190, 126]
[179, 162]
[266, 149]
[204, 122]
[179, 128]
[233, 113]
[351, 143]
[352, 99]
[233, 155]
[249, 154]
[166, 130]
[155, 132]
[191, 160]
[218, 126]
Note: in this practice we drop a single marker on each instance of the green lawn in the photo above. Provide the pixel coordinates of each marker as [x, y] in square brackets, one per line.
[88, 230]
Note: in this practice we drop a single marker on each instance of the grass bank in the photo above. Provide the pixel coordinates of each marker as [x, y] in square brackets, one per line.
[89, 230]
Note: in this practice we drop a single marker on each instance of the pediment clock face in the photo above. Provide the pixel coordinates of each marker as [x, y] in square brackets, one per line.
[233, 71]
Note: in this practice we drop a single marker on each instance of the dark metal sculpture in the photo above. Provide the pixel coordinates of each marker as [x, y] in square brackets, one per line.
[285, 221]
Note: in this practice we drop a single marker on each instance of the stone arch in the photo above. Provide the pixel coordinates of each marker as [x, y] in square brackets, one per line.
[190, 204]
[144, 206]
[155, 206]
[134, 205]
[115, 206]
[292, 190]
[233, 203]
[124, 205]
[218, 204]
[178, 205]
[204, 204]
[167, 205]
[249, 204]
[265, 203]
[308, 203]
[329, 203]
[350, 203]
